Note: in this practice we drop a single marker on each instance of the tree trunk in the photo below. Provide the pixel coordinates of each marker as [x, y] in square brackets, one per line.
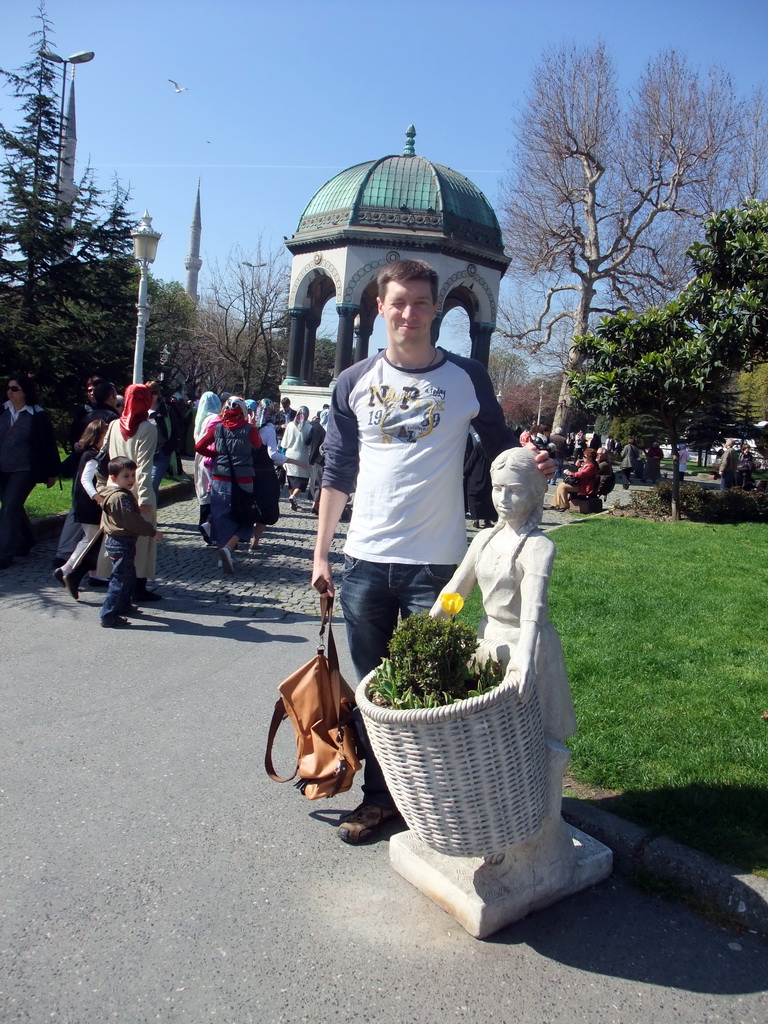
[562, 417]
[673, 438]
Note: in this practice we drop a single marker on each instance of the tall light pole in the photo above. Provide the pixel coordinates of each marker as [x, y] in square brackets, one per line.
[81, 57]
[144, 251]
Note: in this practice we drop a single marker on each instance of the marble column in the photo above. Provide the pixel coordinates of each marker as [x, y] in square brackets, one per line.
[298, 316]
[308, 360]
[435, 330]
[481, 341]
[345, 337]
[362, 337]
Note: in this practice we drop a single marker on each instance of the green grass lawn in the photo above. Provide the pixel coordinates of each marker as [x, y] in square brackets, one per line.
[663, 630]
[45, 502]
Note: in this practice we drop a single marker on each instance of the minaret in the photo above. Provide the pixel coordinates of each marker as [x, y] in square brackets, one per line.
[193, 261]
[67, 189]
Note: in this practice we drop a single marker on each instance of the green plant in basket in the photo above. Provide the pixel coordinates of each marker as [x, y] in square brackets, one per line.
[431, 663]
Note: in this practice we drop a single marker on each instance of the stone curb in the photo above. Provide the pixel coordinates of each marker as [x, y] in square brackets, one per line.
[49, 526]
[741, 897]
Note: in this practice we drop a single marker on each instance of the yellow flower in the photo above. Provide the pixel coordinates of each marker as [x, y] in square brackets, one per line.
[451, 603]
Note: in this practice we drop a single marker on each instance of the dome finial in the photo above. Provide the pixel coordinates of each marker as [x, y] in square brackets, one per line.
[410, 135]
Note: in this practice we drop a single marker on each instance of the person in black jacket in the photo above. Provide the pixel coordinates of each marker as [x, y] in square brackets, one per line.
[28, 456]
[85, 512]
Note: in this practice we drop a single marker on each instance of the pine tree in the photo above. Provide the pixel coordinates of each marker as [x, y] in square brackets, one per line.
[67, 289]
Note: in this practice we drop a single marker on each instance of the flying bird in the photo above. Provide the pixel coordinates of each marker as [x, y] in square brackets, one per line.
[177, 87]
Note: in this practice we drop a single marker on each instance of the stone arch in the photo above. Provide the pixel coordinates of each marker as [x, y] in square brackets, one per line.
[361, 279]
[316, 268]
[469, 289]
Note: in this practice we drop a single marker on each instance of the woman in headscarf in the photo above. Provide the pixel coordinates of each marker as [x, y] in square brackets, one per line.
[135, 437]
[208, 409]
[231, 444]
[296, 447]
[265, 483]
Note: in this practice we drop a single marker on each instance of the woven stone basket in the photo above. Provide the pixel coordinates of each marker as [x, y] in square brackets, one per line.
[469, 778]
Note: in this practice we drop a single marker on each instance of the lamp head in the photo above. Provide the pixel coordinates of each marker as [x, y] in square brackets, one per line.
[145, 240]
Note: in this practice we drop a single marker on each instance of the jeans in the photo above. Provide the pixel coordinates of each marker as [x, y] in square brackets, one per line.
[160, 465]
[16, 534]
[373, 595]
[122, 582]
[727, 481]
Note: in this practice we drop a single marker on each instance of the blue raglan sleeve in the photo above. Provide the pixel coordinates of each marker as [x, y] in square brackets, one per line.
[495, 435]
[342, 444]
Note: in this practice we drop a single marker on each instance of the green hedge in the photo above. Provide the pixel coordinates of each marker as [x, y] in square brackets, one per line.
[704, 504]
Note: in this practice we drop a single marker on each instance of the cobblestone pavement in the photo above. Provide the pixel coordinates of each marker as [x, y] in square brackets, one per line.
[277, 574]
[274, 576]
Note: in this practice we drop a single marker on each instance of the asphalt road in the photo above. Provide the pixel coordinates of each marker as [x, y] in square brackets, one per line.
[151, 872]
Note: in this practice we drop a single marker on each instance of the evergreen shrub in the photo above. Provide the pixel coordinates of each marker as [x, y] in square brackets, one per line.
[704, 504]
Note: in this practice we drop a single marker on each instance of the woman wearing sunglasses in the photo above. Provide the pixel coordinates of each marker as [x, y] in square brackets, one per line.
[28, 456]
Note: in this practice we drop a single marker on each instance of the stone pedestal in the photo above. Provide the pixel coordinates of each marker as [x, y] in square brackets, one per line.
[485, 894]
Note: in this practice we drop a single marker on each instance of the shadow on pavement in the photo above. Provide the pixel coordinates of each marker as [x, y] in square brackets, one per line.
[610, 930]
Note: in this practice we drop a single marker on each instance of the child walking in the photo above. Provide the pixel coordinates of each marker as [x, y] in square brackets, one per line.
[86, 504]
[122, 523]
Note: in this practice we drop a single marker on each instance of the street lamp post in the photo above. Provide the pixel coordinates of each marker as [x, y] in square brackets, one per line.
[81, 57]
[144, 251]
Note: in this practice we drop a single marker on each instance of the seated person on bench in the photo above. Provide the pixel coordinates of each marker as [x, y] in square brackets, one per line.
[583, 482]
[607, 475]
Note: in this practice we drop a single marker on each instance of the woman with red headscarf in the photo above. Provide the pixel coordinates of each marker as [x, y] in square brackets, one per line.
[231, 444]
[135, 437]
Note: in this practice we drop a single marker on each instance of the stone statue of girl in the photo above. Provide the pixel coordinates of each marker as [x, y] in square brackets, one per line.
[512, 563]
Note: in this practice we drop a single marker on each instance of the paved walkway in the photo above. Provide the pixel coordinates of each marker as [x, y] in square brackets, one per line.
[151, 872]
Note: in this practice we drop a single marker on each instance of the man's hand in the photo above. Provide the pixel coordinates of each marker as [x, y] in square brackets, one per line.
[322, 576]
[544, 463]
[332, 504]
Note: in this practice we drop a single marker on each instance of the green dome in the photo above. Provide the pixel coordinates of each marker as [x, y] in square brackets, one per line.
[401, 195]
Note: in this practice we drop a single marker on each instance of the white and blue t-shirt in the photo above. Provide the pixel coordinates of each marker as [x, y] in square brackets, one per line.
[396, 437]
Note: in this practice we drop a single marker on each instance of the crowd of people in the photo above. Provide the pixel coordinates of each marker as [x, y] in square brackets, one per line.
[121, 449]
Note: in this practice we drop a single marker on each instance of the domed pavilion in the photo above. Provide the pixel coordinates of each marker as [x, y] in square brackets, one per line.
[398, 207]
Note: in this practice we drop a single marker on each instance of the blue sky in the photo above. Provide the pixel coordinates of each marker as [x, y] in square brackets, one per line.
[283, 95]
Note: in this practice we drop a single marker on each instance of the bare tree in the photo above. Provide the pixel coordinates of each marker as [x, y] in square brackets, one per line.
[242, 317]
[605, 191]
[751, 171]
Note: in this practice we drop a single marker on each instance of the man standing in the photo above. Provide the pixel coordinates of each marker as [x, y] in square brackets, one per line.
[396, 437]
[727, 466]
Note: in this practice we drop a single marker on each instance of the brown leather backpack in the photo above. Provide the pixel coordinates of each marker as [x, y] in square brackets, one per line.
[319, 703]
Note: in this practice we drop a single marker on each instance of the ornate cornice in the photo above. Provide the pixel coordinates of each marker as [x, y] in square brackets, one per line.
[382, 239]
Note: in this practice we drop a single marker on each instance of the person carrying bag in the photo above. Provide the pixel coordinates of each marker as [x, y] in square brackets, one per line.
[234, 505]
[319, 704]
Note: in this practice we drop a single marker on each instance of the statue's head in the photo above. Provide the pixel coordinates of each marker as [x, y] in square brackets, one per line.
[518, 485]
